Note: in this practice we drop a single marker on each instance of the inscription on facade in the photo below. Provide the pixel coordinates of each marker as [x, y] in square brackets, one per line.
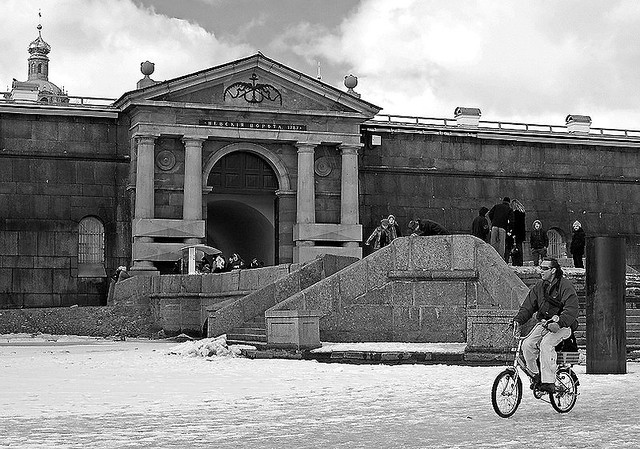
[252, 125]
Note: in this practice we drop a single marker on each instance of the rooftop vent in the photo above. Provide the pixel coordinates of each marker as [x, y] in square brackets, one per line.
[468, 117]
[578, 124]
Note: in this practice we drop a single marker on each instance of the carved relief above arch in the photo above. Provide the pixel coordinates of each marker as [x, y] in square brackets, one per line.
[284, 180]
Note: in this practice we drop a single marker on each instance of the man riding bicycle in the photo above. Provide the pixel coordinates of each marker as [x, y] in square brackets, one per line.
[555, 303]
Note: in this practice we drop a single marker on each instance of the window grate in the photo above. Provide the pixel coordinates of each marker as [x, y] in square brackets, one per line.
[90, 241]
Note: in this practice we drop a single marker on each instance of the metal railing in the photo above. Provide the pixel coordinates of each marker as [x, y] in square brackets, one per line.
[486, 124]
[63, 100]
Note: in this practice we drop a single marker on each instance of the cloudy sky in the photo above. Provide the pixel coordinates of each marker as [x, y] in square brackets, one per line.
[533, 61]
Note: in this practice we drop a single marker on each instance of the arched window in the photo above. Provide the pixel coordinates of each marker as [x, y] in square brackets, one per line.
[557, 247]
[91, 248]
[39, 68]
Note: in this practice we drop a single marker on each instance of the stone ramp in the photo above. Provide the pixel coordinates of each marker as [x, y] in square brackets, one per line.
[418, 289]
[241, 313]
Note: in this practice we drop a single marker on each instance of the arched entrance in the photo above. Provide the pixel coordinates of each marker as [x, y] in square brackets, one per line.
[242, 207]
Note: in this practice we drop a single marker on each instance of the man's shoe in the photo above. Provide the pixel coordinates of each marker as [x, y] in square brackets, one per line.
[547, 387]
[535, 381]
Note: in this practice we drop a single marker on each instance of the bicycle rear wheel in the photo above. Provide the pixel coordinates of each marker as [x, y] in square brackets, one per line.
[566, 393]
[506, 393]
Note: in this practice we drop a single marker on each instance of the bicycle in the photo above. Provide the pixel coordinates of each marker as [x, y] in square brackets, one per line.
[506, 393]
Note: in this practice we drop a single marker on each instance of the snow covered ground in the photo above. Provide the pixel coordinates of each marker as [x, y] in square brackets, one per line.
[91, 393]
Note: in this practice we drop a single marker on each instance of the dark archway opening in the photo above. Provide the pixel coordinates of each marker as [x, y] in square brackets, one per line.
[241, 209]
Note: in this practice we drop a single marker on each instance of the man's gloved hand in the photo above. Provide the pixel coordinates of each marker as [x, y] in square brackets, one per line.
[553, 327]
[516, 329]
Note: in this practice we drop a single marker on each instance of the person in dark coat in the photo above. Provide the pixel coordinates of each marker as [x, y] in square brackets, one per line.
[480, 225]
[554, 298]
[539, 242]
[577, 244]
[500, 215]
[518, 232]
[427, 227]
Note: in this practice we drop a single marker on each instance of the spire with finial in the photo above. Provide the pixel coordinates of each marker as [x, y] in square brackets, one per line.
[39, 61]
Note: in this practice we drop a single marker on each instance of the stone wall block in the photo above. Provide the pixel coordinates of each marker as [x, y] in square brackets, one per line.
[248, 279]
[211, 283]
[378, 266]
[368, 319]
[353, 281]
[431, 253]
[440, 293]
[402, 293]
[406, 322]
[167, 284]
[318, 299]
[464, 252]
[311, 273]
[443, 324]
[191, 284]
[229, 281]
[400, 253]
[287, 287]
[488, 329]
[259, 301]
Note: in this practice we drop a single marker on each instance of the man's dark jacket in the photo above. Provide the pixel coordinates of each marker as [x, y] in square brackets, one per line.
[500, 215]
[577, 242]
[539, 239]
[428, 227]
[547, 299]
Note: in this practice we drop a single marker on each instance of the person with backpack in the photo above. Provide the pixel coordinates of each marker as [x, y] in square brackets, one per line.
[554, 298]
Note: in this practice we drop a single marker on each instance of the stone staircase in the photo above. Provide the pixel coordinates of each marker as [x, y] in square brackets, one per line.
[633, 329]
[252, 332]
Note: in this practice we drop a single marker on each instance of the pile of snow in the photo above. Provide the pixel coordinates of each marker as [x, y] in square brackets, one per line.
[208, 347]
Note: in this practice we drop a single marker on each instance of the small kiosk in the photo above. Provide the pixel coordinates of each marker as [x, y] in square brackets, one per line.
[192, 255]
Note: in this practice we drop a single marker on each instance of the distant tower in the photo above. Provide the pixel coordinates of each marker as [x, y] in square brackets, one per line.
[38, 87]
[39, 61]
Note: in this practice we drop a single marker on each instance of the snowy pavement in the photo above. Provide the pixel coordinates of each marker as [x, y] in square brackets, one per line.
[133, 394]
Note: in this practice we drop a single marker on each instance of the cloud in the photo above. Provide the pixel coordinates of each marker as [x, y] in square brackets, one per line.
[532, 60]
[97, 47]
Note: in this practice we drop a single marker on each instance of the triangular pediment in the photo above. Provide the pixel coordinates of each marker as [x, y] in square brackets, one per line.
[255, 83]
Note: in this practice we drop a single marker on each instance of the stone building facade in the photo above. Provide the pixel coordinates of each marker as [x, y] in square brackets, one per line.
[257, 158]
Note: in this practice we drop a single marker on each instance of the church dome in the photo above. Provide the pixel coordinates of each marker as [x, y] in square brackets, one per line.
[39, 46]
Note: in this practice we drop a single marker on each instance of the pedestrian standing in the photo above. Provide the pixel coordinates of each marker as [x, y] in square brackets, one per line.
[500, 215]
[380, 235]
[577, 244]
[518, 232]
[539, 242]
[394, 228]
[480, 225]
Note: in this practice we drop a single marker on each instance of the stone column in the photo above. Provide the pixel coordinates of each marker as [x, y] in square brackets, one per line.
[145, 190]
[306, 194]
[349, 214]
[192, 199]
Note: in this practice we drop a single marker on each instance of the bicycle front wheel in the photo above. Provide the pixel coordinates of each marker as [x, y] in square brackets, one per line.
[506, 393]
[566, 393]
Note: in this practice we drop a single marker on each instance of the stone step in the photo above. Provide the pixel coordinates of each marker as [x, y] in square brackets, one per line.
[257, 344]
[247, 337]
[250, 330]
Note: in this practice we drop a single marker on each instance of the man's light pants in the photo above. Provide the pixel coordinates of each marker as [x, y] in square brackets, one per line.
[498, 239]
[541, 341]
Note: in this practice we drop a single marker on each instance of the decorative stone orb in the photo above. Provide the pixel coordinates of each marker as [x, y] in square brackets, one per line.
[350, 81]
[147, 68]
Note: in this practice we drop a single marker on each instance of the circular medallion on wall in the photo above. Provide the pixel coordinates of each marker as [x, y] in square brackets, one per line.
[165, 160]
[322, 166]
